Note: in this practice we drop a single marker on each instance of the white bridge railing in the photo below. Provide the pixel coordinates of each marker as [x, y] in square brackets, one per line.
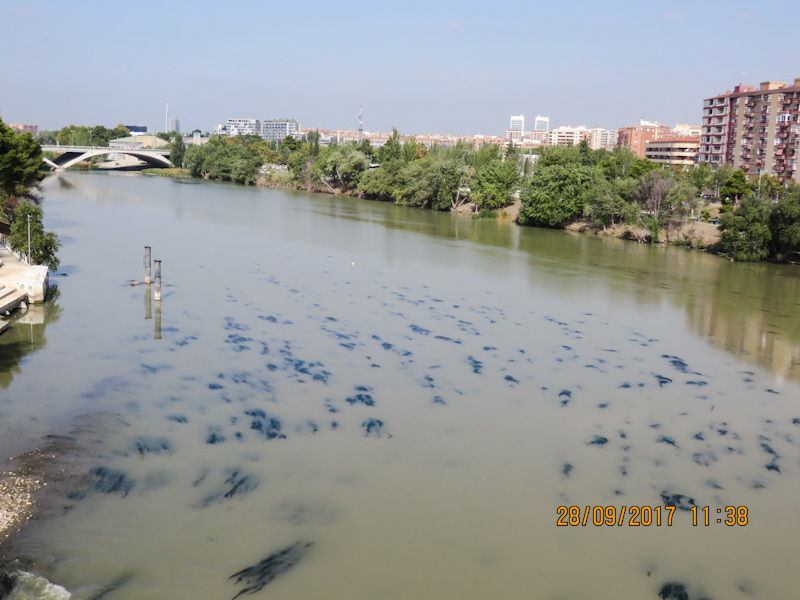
[57, 148]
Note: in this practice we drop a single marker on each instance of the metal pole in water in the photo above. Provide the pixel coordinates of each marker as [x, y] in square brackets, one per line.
[147, 264]
[157, 275]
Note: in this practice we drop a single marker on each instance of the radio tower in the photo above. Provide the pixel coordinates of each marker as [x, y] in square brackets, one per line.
[361, 122]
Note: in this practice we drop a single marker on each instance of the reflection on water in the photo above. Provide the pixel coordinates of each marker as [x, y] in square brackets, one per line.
[749, 310]
[356, 400]
[26, 334]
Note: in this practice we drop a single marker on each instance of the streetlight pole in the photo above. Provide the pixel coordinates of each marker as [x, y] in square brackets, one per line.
[29, 239]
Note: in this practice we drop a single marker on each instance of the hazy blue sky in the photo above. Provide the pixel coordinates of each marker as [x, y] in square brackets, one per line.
[422, 66]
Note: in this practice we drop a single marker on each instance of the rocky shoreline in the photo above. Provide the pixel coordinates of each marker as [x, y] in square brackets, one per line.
[31, 484]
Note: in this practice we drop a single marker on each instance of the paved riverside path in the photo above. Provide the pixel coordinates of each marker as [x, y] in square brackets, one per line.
[19, 282]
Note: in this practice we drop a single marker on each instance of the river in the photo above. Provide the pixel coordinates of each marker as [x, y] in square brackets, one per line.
[338, 398]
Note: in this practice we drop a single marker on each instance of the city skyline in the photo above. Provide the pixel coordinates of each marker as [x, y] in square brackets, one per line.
[422, 68]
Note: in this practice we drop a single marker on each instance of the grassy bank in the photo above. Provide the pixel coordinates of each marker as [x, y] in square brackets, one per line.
[171, 172]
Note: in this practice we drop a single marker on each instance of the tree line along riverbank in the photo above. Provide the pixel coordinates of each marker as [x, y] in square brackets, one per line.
[613, 193]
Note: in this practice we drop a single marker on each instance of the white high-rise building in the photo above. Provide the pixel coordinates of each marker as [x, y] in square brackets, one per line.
[275, 130]
[517, 123]
[175, 124]
[541, 123]
[236, 127]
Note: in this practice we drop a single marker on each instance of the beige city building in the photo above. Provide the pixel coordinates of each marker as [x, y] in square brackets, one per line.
[567, 135]
[602, 139]
[680, 151]
[685, 130]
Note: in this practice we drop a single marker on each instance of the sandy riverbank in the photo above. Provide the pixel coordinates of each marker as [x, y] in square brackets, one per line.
[693, 234]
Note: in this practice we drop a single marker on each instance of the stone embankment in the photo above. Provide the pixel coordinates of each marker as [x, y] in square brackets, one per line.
[20, 283]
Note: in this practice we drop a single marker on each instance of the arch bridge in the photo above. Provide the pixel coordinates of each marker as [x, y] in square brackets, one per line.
[70, 155]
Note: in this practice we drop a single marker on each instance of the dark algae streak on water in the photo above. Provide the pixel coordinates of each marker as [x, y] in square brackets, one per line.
[415, 393]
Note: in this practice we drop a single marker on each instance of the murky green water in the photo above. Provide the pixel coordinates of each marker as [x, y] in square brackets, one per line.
[401, 400]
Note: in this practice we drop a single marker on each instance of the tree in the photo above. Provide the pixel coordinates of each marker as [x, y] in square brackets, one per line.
[344, 164]
[558, 155]
[768, 186]
[412, 150]
[289, 145]
[313, 143]
[652, 192]
[745, 232]
[652, 195]
[681, 200]
[20, 169]
[556, 195]
[719, 175]
[610, 201]
[46, 137]
[43, 245]
[484, 155]
[493, 185]
[431, 182]
[699, 176]
[511, 152]
[585, 153]
[784, 224]
[365, 147]
[224, 160]
[194, 157]
[734, 187]
[178, 150]
[120, 131]
[619, 164]
[641, 167]
[391, 150]
[380, 183]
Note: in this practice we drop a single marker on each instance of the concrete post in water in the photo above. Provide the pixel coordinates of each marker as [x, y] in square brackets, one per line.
[157, 275]
[147, 264]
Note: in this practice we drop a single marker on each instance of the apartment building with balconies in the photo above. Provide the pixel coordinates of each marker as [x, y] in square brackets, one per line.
[636, 137]
[275, 130]
[602, 139]
[681, 151]
[236, 127]
[756, 130]
[567, 135]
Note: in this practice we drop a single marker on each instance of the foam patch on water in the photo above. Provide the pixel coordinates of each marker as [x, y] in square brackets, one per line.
[29, 586]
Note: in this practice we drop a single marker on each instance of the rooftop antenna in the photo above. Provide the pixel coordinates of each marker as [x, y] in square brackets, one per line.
[361, 122]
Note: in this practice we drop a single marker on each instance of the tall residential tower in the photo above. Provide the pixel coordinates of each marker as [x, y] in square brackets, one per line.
[756, 130]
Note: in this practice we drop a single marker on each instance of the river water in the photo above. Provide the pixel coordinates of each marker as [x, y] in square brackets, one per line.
[338, 398]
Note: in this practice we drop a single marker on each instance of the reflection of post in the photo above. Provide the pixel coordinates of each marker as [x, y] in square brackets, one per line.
[157, 275]
[157, 335]
[147, 264]
[147, 296]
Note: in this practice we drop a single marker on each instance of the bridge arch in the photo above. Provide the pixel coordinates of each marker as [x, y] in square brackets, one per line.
[70, 155]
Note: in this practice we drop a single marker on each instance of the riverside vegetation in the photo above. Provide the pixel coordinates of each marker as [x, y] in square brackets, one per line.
[757, 220]
[20, 175]
[614, 192]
